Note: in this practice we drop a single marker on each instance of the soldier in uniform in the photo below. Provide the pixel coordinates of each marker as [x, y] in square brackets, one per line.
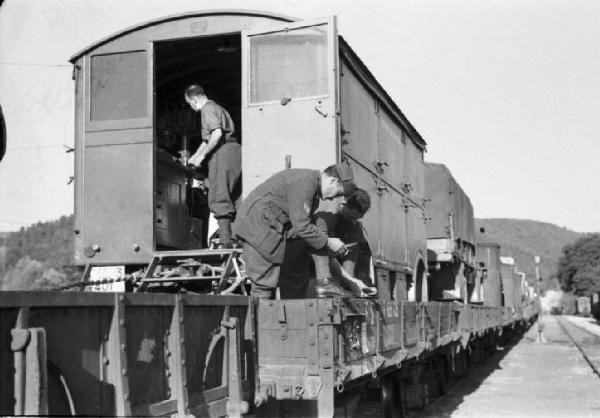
[280, 208]
[340, 219]
[345, 225]
[220, 148]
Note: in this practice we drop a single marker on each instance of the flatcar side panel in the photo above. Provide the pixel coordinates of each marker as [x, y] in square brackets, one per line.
[289, 98]
[110, 354]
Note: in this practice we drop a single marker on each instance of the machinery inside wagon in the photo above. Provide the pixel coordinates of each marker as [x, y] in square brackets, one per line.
[300, 98]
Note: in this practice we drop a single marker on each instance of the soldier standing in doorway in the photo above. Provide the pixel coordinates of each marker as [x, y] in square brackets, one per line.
[281, 208]
[222, 151]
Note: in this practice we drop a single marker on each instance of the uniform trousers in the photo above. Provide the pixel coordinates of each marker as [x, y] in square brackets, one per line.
[224, 175]
[263, 274]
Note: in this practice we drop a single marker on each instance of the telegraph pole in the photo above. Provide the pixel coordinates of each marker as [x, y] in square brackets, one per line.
[538, 299]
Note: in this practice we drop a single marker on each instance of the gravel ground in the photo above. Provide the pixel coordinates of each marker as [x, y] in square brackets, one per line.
[550, 379]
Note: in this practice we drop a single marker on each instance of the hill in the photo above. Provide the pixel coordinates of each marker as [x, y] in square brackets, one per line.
[37, 257]
[523, 239]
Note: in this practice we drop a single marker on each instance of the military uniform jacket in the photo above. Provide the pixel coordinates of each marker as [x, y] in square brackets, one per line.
[283, 204]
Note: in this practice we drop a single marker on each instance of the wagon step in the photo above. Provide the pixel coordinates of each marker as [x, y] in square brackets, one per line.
[222, 268]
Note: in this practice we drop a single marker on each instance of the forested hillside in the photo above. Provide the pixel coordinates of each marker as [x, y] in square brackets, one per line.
[37, 257]
[523, 239]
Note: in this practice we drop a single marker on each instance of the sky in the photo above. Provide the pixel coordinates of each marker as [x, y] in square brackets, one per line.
[505, 92]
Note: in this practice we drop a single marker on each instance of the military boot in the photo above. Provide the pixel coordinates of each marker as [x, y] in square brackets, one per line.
[327, 287]
[225, 232]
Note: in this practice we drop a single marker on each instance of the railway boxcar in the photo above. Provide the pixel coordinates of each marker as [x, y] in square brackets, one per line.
[488, 254]
[302, 98]
[450, 236]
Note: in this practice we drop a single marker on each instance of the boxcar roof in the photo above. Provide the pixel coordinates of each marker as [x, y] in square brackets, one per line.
[345, 50]
[179, 16]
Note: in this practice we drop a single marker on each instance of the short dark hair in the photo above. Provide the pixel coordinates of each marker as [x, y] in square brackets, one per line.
[359, 201]
[194, 90]
[331, 171]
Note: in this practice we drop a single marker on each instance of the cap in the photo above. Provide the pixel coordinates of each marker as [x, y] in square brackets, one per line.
[346, 176]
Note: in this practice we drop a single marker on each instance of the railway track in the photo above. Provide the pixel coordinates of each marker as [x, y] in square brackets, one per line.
[586, 342]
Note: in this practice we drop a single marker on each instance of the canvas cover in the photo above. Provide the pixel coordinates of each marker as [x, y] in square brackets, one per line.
[447, 197]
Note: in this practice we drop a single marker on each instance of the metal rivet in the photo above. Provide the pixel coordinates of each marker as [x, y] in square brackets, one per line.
[126, 396]
[183, 362]
[181, 319]
[168, 373]
[124, 372]
[326, 336]
[105, 361]
[123, 347]
[121, 322]
[326, 352]
[182, 340]
[136, 247]
[121, 298]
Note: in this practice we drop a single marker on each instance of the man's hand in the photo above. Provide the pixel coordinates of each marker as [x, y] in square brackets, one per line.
[196, 160]
[336, 246]
[359, 289]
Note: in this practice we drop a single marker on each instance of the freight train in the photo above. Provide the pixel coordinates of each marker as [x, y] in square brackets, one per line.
[181, 337]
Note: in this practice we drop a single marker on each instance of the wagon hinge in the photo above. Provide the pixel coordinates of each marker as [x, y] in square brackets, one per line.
[342, 375]
[376, 363]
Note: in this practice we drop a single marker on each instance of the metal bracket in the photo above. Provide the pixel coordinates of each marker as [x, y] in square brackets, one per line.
[282, 322]
[320, 111]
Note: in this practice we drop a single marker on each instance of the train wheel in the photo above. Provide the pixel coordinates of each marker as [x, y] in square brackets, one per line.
[391, 399]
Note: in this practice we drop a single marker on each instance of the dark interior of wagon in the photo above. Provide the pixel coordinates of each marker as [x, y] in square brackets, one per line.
[214, 62]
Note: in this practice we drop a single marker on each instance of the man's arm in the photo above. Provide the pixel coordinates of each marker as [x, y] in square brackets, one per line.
[206, 147]
[300, 195]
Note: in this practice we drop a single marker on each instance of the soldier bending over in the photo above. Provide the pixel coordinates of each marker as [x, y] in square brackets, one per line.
[282, 206]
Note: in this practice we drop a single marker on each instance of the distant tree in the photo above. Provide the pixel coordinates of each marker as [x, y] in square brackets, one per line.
[38, 257]
[579, 266]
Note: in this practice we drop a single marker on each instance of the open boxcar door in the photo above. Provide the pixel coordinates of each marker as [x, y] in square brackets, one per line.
[289, 98]
[118, 161]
